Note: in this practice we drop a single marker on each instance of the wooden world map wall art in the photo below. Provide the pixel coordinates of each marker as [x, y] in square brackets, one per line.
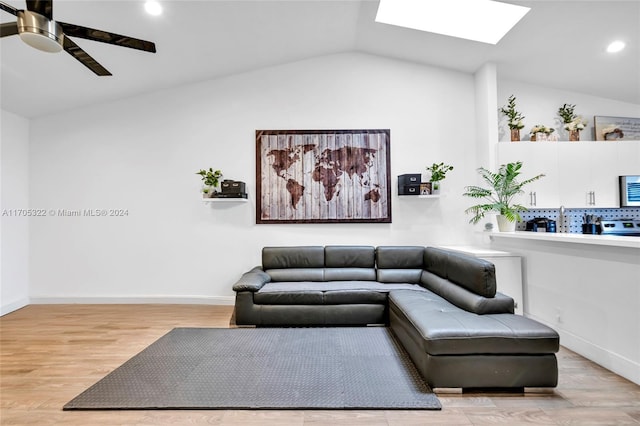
[323, 176]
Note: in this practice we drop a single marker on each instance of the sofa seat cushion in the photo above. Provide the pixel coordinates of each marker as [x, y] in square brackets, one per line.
[441, 328]
[328, 293]
[289, 298]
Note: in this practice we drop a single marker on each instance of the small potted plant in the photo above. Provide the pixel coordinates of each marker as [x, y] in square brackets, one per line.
[573, 123]
[438, 173]
[210, 178]
[540, 132]
[503, 186]
[515, 118]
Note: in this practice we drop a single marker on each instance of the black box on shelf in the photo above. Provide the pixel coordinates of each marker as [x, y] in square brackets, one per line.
[409, 189]
[409, 179]
[233, 187]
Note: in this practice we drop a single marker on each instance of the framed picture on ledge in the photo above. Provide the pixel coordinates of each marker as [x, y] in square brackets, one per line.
[323, 176]
[616, 128]
[425, 188]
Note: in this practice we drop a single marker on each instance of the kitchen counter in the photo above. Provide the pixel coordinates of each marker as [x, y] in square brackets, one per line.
[602, 240]
[586, 287]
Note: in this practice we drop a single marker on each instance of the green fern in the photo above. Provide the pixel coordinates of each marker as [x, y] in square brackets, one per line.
[503, 187]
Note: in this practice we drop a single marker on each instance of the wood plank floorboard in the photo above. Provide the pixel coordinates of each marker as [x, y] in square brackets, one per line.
[51, 353]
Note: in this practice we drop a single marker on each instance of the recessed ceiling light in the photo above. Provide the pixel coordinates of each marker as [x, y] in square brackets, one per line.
[153, 8]
[616, 46]
[479, 20]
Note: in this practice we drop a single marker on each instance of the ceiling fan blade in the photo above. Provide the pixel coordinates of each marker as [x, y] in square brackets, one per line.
[43, 7]
[82, 56]
[106, 37]
[8, 29]
[8, 8]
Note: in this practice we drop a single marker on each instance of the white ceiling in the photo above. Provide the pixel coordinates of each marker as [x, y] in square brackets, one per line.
[557, 44]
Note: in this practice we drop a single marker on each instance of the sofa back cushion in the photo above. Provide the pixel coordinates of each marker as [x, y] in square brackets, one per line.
[292, 257]
[466, 299]
[350, 263]
[349, 257]
[399, 264]
[471, 273]
[296, 263]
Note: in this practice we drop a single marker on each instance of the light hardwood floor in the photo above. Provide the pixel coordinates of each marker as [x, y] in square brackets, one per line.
[51, 353]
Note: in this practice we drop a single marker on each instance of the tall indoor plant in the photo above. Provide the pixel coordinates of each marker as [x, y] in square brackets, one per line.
[503, 186]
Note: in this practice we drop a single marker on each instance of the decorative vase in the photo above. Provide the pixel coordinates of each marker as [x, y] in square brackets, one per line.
[533, 137]
[515, 135]
[435, 188]
[574, 135]
[505, 225]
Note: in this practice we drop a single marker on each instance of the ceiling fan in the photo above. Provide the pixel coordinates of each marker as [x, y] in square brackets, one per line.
[36, 27]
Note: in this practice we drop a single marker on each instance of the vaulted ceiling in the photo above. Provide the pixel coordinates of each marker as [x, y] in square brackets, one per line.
[559, 44]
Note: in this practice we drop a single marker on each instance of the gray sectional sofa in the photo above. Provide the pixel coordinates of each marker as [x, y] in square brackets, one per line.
[441, 305]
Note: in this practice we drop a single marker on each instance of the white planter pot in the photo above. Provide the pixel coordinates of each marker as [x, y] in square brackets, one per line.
[505, 225]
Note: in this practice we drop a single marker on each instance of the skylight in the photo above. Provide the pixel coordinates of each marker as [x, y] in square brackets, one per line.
[486, 21]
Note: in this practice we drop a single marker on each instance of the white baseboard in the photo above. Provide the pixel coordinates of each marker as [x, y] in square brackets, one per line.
[620, 365]
[165, 300]
[627, 368]
[13, 306]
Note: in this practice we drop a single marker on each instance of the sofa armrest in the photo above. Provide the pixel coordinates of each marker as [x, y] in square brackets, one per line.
[252, 280]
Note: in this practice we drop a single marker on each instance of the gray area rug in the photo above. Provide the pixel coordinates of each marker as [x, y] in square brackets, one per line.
[265, 368]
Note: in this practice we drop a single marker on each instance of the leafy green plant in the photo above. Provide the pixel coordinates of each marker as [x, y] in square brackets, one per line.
[515, 117]
[571, 120]
[210, 178]
[503, 186]
[566, 112]
[439, 171]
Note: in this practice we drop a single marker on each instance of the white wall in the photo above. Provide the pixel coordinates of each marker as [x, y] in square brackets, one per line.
[540, 105]
[141, 154]
[14, 200]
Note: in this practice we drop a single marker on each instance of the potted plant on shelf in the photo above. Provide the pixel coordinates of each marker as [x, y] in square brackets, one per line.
[210, 178]
[573, 123]
[438, 173]
[515, 118]
[503, 186]
[540, 132]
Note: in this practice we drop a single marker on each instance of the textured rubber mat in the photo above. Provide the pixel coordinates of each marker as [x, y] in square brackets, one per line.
[265, 368]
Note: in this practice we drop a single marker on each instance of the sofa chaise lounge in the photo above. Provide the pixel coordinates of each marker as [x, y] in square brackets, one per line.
[442, 306]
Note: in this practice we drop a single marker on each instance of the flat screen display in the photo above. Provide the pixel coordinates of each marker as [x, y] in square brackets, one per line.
[630, 191]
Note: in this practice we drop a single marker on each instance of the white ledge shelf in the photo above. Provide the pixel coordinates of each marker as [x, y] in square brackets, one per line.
[600, 240]
[225, 200]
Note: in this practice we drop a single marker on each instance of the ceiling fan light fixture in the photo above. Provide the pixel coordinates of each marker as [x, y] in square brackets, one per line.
[39, 32]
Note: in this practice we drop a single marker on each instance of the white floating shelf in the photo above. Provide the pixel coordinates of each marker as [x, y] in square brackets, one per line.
[419, 196]
[225, 200]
